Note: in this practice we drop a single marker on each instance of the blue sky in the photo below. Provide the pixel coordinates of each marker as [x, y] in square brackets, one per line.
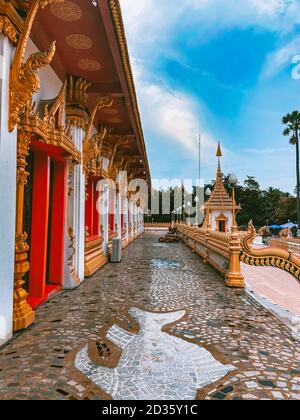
[222, 68]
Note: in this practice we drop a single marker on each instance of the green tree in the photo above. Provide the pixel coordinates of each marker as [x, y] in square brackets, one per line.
[286, 209]
[292, 122]
[250, 198]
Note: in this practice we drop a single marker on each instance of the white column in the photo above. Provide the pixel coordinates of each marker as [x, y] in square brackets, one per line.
[8, 159]
[118, 214]
[142, 221]
[131, 205]
[126, 217]
[74, 275]
[135, 220]
[104, 216]
[138, 220]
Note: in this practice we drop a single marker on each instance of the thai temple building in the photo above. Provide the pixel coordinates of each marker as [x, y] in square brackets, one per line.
[70, 126]
[219, 209]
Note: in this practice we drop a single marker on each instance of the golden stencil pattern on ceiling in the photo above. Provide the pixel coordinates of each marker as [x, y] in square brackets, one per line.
[66, 11]
[110, 111]
[79, 41]
[89, 64]
[115, 120]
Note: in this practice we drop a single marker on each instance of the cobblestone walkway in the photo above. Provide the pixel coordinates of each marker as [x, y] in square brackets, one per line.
[228, 324]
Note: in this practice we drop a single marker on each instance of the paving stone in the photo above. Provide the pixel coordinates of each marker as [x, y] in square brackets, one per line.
[234, 327]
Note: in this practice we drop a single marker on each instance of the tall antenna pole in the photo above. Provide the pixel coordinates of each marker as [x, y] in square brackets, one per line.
[200, 141]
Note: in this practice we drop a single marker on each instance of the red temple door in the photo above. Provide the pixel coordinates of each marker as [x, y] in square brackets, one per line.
[48, 221]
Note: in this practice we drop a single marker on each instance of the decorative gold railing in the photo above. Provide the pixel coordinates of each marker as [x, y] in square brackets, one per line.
[287, 244]
[219, 243]
[268, 257]
[219, 250]
[214, 241]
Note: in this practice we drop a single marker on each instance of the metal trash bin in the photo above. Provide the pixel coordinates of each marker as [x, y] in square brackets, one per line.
[116, 253]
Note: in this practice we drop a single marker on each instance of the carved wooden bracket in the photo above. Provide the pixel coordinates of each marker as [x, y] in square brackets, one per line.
[8, 29]
[77, 98]
[119, 142]
[92, 161]
[24, 79]
[103, 102]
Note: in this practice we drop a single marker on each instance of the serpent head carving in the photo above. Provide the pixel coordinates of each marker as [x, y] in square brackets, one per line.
[248, 239]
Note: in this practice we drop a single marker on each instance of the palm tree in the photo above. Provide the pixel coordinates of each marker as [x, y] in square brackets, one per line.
[292, 122]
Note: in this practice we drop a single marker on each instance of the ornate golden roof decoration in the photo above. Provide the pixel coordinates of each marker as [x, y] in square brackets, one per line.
[24, 79]
[93, 162]
[220, 199]
[77, 98]
[130, 161]
[102, 102]
[11, 22]
[47, 125]
[77, 91]
[120, 141]
[8, 29]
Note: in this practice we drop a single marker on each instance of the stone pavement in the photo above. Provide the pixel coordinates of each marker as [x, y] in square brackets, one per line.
[155, 278]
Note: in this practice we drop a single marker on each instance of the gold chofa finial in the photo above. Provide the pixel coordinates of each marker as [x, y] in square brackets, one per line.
[219, 155]
[219, 151]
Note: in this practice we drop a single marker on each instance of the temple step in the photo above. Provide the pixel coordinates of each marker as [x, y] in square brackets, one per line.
[94, 257]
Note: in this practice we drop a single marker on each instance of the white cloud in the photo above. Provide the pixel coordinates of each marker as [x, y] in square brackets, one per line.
[152, 21]
[268, 151]
[281, 58]
[175, 117]
[172, 116]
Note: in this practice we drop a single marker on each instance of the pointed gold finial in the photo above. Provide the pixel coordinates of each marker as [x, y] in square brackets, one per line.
[219, 151]
[219, 155]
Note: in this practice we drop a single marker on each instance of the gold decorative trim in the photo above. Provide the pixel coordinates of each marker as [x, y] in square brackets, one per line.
[102, 102]
[8, 29]
[77, 117]
[50, 135]
[24, 79]
[93, 164]
[12, 23]
[220, 243]
[23, 316]
[77, 112]
[72, 248]
[118, 143]
[70, 178]
[268, 257]
[77, 91]
[49, 127]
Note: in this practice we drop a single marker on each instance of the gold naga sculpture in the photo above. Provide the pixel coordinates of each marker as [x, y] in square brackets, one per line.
[88, 153]
[77, 112]
[112, 163]
[93, 163]
[268, 257]
[24, 76]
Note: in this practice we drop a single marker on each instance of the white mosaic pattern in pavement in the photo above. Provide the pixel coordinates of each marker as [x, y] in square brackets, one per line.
[154, 365]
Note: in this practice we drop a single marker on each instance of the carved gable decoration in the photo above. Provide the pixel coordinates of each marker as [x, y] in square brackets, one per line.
[47, 124]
